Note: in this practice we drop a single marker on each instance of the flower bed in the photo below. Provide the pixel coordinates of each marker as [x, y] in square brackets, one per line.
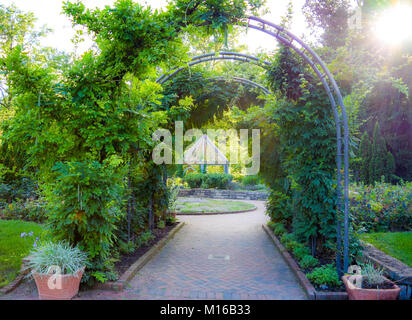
[129, 264]
[308, 287]
[27, 210]
[319, 270]
[380, 208]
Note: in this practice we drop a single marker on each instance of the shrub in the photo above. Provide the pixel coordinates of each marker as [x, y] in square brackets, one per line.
[170, 220]
[173, 193]
[145, 238]
[126, 247]
[194, 180]
[19, 188]
[250, 180]
[70, 259]
[217, 180]
[179, 171]
[208, 180]
[233, 185]
[308, 262]
[82, 211]
[374, 275]
[300, 252]
[29, 210]
[287, 237]
[380, 208]
[324, 276]
[279, 229]
[257, 187]
[278, 207]
[271, 224]
[161, 224]
[179, 182]
[291, 245]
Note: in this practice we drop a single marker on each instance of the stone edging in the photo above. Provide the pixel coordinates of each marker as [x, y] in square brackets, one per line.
[213, 213]
[396, 269]
[135, 267]
[224, 194]
[15, 283]
[309, 289]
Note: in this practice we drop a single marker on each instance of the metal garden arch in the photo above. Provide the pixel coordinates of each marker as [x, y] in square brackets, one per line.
[333, 92]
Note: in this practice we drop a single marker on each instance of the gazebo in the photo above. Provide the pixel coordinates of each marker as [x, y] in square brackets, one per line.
[204, 152]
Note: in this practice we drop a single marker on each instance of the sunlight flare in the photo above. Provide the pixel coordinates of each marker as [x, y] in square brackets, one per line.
[395, 25]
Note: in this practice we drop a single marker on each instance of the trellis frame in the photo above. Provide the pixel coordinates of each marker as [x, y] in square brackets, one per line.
[339, 112]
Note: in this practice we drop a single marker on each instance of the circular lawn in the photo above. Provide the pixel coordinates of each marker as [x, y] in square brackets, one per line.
[202, 206]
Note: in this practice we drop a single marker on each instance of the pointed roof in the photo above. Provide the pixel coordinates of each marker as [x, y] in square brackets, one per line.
[204, 151]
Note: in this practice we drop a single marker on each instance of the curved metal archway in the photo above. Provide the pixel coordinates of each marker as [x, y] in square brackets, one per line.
[242, 81]
[339, 112]
[212, 57]
[189, 168]
[220, 56]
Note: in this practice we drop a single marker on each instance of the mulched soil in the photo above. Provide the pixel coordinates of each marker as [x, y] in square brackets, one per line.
[325, 257]
[385, 285]
[323, 260]
[127, 260]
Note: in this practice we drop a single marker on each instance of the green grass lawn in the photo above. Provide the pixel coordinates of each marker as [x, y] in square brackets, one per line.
[13, 247]
[395, 244]
[185, 205]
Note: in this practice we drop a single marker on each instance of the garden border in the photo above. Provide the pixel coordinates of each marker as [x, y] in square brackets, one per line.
[396, 269]
[213, 213]
[120, 284]
[309, 289]
[224, 194]
[16, 282]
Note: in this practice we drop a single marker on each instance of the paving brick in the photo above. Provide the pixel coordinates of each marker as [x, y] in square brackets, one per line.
[183, 270]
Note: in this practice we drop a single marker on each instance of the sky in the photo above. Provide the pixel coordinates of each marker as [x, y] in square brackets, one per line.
[48, 12]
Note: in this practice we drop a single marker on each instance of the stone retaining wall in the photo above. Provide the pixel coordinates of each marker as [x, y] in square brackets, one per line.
[396, 269]
[223, 194]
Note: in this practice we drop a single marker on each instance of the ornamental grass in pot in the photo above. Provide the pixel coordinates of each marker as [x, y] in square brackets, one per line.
[370, 284]
[57, 269]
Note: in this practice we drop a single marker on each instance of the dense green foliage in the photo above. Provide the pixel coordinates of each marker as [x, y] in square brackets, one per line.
[49, 254]
[377, 161]
[383, 207]
[208, 180]
[27, 210]
[299, 151]
[311, 265]
[76, 132]
[82, 130]
[194, 180]
[250, 180]
[211, 98]
[308, 262]
[83, 212]
[324, 277]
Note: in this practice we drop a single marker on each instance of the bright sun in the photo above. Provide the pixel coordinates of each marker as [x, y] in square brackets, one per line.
[395, 25]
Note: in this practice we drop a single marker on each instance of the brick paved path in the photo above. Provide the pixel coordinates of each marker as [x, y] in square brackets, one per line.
[214, 257]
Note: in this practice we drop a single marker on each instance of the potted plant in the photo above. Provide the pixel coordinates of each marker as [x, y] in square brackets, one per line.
[370, 284]
[57, 269]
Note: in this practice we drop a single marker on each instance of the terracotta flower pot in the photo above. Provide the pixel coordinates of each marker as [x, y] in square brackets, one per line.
[61, 287]
[356, 293]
